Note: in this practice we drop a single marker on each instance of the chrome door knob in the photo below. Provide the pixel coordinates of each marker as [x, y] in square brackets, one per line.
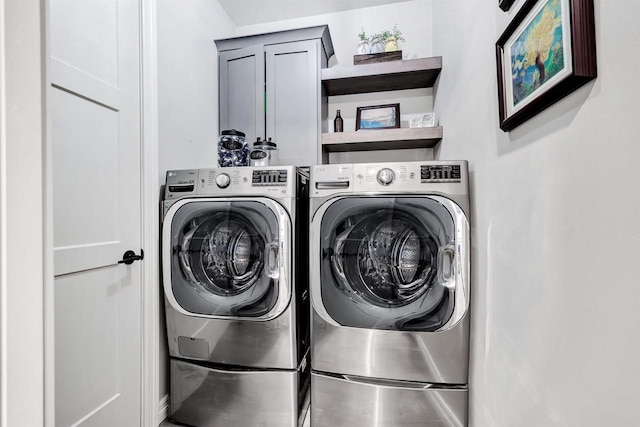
[223, 180]
[386, 176]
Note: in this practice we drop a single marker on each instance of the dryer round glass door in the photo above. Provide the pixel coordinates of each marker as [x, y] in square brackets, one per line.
[224, 258]
[387, 263]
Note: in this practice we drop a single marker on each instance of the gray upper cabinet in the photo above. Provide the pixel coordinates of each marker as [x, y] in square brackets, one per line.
[270, 88]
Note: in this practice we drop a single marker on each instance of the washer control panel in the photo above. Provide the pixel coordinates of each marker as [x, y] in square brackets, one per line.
[273, 181]
[269, 177]
[180, 183]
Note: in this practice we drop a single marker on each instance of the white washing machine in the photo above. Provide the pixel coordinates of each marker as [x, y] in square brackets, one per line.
[236, 295]
[389, 259]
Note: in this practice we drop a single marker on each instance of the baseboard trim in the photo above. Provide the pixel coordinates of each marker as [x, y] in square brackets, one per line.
[163, 408]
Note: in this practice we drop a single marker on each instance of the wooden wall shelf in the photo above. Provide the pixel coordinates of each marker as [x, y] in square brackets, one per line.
[382, 139]
[393, 75]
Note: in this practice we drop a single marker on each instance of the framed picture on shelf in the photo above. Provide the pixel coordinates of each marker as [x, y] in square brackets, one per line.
[546, 52]
[426, 120]
[378, 117]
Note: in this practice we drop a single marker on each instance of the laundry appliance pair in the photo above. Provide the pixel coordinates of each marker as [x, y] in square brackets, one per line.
[388, 250]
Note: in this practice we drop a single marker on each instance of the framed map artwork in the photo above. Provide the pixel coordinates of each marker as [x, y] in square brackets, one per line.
[546, 52]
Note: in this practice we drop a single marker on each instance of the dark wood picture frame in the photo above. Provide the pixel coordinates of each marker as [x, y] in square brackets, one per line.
[396, 113]
[583, 59]
[505, 5]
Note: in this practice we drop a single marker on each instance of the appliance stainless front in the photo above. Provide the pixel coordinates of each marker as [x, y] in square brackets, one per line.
[389, 259]
[236, 297]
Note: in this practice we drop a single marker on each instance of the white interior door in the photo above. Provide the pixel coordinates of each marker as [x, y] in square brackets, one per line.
[95, 104]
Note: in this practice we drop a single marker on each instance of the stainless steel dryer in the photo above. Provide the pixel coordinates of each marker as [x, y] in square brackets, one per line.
[236, 295]
[389, 259]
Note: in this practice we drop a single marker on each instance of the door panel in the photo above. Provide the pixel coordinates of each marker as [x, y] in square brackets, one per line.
[91, 353]
[242, 91]
[95, 128]
[89, 152]
[90, 33]
[293, 101]
[77, 81]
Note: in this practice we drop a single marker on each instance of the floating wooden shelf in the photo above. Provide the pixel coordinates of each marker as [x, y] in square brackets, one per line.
[382, 139]
[393, 75]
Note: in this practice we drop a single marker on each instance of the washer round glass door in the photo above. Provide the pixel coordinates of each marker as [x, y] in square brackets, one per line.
[388, 262]
[225, 257]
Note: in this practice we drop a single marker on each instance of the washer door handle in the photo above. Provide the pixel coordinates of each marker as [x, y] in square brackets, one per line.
[446, 265]
[130, 256]
[271, 260]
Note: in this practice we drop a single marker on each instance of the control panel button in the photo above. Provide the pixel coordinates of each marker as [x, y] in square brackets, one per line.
[223, 180]
[386, 176]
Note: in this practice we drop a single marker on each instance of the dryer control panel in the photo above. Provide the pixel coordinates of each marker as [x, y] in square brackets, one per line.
[440, 173]
[273, 181]
[411, 177]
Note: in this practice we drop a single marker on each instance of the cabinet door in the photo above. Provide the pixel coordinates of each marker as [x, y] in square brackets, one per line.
[293, 100]
[242, 91]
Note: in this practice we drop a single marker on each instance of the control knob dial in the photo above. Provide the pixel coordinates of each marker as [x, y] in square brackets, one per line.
[223, 180]
[386, 176]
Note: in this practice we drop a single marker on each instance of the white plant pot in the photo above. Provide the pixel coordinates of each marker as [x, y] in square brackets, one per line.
[363, 47]
[377, 46]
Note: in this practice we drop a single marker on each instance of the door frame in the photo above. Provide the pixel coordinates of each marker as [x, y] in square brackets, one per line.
[152, 406]
[26, 250]
[27, 388]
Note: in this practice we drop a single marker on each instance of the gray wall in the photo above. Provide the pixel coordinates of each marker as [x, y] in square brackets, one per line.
[188, 81]
[556, 236]
[187, 96]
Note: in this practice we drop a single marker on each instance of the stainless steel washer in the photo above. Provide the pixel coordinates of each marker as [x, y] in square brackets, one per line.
[236, 295]
[389, 259]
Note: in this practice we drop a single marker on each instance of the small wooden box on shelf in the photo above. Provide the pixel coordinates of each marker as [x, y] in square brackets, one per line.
[374, 58]
[379, 77]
